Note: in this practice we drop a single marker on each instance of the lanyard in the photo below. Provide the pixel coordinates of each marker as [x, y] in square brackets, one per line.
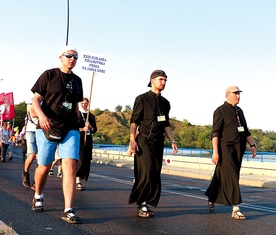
[83, 117]
[158, 105]
[88, 132]
[238, 117]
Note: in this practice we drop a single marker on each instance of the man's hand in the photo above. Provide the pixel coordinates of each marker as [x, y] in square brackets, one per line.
[45, 123]
[174, 147]
[254, 151]
[215, 158]
[132, 148]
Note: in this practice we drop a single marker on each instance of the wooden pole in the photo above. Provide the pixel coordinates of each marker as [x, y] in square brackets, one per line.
[87, 117]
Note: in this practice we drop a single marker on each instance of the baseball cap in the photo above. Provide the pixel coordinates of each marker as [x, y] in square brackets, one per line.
[156, 73]
[232, 89]
[67, 48]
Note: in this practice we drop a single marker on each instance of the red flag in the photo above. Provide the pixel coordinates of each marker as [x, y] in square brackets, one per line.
[2, 98]
[9, 106]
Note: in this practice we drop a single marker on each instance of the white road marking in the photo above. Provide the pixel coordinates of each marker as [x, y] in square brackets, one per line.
[129, 182]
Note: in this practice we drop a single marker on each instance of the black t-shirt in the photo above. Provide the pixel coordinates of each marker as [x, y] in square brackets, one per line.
[61, 93]
[147, 107]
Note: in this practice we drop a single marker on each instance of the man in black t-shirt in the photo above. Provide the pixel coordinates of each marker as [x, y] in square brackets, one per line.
[56, 95]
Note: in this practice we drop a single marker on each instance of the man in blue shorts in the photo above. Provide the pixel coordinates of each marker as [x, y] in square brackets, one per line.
[56, 95]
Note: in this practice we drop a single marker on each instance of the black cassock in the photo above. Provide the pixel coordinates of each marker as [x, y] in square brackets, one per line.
[84, 162]
[224, 187]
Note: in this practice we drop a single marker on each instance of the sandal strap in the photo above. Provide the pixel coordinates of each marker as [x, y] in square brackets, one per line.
[71, 217]
[79, 185]
[238, 215]
[38, 199]
[144, 214]
[145, 211]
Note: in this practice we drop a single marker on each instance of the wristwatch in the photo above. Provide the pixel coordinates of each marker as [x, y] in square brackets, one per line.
[253, 145]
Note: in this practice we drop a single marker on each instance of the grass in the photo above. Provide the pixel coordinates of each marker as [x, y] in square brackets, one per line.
[9, 231]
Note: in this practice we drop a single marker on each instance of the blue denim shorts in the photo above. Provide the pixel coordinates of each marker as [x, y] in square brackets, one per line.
[68, 148]
[9, 148]
[31, 142]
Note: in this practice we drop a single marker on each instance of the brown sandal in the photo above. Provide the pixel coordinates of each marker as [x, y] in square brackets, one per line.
[238, 215]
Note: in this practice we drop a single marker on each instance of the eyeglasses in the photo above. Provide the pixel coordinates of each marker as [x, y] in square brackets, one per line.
[84, 103]
[69, 56]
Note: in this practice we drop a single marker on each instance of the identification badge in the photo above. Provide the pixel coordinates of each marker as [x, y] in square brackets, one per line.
[161, 118]
[240, 129]
[67, 105]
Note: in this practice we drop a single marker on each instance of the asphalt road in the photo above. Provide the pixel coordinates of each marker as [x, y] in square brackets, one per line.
[104, 210]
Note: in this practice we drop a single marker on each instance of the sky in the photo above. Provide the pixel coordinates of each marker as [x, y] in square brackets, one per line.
[203, 46]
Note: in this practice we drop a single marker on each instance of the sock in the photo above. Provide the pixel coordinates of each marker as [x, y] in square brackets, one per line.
[144, 206]
[236, 208]
[67, 209]
[36, 196]
[78, 180]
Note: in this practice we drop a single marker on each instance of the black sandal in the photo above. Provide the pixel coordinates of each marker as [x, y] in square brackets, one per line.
[144, 211]
[35, 207]
[71, 218]
[79, 187]
[150, 211]
[211, 206]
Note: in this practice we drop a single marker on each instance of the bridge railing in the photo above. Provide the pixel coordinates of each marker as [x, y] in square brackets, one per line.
[201, 153]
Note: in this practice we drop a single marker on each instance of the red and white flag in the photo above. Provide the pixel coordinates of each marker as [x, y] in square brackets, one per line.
[168, 160]
[7, 106]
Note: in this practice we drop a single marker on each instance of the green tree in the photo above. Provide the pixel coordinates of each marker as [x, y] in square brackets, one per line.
[118, 108]
[127, 109]
[20, 111]
[268, 144]
[203, 140]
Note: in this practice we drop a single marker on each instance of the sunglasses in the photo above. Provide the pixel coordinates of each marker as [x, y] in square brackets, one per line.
[69, 56]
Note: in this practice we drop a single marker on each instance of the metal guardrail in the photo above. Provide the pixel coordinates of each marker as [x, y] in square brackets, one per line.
[201, 153]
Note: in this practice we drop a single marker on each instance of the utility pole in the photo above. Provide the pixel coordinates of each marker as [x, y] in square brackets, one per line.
[67, 34]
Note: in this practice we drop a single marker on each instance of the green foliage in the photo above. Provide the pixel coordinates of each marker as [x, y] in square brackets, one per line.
[97, 112]
[118, 108]
[20, 111]
[127, 109]
[267, 143]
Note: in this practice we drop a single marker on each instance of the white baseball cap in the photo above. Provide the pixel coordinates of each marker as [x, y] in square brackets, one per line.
[67, 48]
